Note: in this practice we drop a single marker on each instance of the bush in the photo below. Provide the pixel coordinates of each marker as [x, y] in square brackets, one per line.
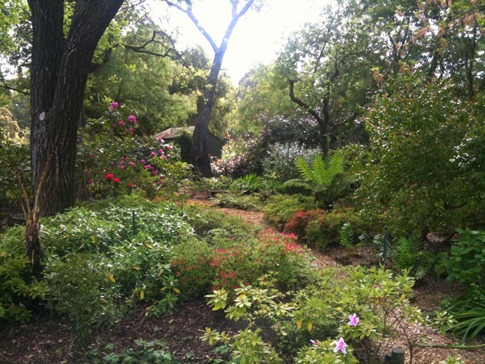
[114, 160]
[425, 168]
[81, 287]
[191, 264]
[280, 159]
[279, 208]
[467, 258]
[412, 256]
[363, 307]
[298, 222]
[326, 229]
[18, 290]
[229, 263]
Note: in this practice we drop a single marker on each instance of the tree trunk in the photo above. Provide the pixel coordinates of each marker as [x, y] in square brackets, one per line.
[58, 79]
[200, 156]
[322, 122]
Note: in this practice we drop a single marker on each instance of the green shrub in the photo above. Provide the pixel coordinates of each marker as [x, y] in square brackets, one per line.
[325, 229]
[279, 208]
[467, 257]
[18, 290]
[81, 287]
[191, 264]
[363, 307]
[148, 352]
[412, 256]
[204, 221]
[238, 200]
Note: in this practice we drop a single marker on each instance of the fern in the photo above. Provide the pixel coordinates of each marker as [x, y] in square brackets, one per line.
[317, 176]
[318, 172]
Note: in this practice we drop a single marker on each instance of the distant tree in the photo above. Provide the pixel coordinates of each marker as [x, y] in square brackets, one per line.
[200, 156]
[327, 66]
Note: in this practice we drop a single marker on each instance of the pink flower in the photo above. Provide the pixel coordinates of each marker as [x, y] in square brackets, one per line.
[113, 106]
[131, 130]
[314, 342]
[153, 154]
[132, 118]
[164, 157]
[121, 123]
[340, 346]
[90, 181]
[142, 161]
[353, 320]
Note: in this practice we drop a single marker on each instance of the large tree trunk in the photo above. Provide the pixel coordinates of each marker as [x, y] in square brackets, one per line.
[58, 78]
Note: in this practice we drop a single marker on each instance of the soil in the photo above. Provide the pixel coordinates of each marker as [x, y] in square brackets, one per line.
[46, 340]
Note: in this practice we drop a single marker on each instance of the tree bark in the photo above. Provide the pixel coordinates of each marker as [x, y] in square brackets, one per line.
[58, 79]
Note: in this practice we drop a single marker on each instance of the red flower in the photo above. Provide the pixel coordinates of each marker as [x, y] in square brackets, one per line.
[109, 176]
[130, 185]
[116, 180]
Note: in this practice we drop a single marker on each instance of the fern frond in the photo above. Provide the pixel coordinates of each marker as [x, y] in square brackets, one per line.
[304, 169]
[298, 183]
[320, 175]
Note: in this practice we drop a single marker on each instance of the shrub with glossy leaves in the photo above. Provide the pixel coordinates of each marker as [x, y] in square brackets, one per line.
[425, 170]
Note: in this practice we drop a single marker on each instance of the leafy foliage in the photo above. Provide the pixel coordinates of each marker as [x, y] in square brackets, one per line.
[303, 325]
[318, 176]
[424, 170]
[467, 258]
[468, 313]
[279, 208]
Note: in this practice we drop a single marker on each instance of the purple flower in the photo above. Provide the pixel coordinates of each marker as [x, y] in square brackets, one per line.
[132, 118]
[314, 342]
[340, 346]
[353, 320]
[113, 105]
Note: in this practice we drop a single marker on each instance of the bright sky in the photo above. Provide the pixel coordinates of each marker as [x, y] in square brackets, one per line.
[257, 36]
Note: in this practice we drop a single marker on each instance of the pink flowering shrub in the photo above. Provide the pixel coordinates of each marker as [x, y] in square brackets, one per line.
[114, 159]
